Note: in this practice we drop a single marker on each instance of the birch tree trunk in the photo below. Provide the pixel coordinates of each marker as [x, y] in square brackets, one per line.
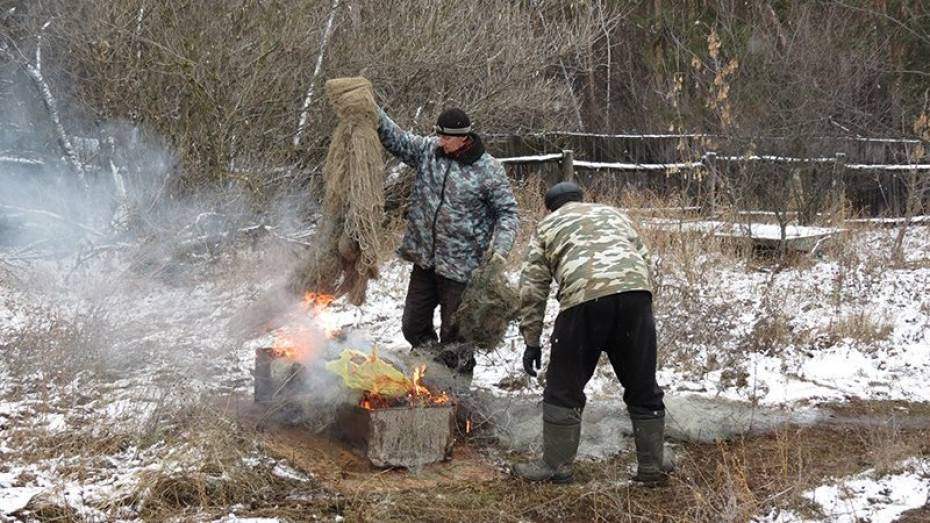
[308, 99]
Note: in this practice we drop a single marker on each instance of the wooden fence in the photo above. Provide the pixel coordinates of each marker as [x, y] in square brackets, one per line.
[871, 173]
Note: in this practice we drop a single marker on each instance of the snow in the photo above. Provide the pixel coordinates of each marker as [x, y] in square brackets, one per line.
[891, 221]
[283, 470]
[533, 158]
[892, 167]
[877, 500]
[773, 158]
[170, 341]
[232, 518]
[21, 161]
[865, 497]
[637, 166]
[13, 499]
[763, 231]
[632, 166]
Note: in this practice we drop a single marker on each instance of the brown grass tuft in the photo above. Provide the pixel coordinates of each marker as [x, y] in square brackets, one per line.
[862, 327]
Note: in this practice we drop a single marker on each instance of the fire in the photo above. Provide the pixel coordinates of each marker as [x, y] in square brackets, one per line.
[315, 302]
[468, 426]
[382, 384]
[301, 340]
[417, 395]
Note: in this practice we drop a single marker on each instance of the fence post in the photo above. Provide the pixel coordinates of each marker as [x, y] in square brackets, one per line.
[709, 205]
[838, 183]
[568, 165]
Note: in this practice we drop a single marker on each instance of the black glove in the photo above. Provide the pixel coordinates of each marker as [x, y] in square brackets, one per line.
[532, 359]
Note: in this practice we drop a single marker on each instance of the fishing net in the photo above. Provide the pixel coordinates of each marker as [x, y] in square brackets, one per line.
[489, 304]
[346, 248]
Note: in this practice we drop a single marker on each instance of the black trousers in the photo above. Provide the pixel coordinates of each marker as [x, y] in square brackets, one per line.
[426, 291]
[623, 326]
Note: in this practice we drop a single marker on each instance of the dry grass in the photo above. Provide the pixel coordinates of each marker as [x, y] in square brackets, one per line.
[726, 482]
[862, 327]
[530, 193]
[213, 465]
[60, 346]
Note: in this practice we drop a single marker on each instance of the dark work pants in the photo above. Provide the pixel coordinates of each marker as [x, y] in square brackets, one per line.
[427, 290]
[622, 325]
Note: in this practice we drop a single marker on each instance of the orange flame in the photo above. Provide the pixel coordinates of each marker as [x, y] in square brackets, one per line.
[296, 341]
[417, 393]
[315, 302]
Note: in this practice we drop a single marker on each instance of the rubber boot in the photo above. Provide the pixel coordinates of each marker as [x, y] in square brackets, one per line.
[649, 436]
[561, 435]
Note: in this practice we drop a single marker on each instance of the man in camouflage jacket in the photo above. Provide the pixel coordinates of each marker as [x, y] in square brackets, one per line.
[461, 206]
[605, 298]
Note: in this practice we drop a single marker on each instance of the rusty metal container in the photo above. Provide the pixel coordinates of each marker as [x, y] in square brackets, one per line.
[408, 437]
[276, 377]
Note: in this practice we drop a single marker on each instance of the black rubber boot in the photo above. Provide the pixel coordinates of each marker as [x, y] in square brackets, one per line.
[561, 435]
[649, 436]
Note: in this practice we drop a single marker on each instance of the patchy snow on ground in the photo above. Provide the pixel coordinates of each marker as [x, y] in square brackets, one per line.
[159, 342]
[865, 497]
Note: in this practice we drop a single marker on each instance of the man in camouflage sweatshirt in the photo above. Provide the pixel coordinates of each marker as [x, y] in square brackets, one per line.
[605, 300]
[461, 207]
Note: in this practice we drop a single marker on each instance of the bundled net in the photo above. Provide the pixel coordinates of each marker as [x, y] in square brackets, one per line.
[489, 304]
[345, 250]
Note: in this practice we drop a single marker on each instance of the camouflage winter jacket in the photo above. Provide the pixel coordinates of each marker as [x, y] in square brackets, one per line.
[591, 250]
[456, 206]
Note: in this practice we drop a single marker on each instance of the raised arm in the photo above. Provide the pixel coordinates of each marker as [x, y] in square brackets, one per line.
[406, 146]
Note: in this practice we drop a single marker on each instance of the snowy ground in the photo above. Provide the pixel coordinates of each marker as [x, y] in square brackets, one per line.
[142, 349]
[865, 497]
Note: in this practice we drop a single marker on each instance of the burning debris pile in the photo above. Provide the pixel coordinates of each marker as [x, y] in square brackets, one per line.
[393, 418]
[382, 385]
[398, 422]
[281, 369]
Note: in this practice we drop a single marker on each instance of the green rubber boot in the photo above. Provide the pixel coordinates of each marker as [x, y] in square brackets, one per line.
[561, 434]
[649, 436]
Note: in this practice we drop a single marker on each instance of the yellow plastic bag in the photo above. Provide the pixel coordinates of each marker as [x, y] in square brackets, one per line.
[370, 373]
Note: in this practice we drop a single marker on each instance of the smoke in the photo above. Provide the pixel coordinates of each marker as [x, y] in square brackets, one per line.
[134, 186]
[168, 265]
[43, 199]
[191, 277]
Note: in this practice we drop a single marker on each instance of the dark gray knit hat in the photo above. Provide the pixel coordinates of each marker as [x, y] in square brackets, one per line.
[453, 122]
[562, 193]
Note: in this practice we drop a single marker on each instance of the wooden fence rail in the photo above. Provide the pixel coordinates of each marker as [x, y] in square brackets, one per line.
[711, 166]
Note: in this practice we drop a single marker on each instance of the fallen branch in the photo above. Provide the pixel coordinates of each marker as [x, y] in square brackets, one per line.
[21, 161]
[56, 217]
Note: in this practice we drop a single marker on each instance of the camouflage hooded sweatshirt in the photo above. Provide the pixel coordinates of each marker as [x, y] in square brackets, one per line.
[455, 208]
[591, 250]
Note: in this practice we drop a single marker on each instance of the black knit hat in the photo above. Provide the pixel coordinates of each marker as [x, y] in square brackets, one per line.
[454, 122]
[562, 193]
